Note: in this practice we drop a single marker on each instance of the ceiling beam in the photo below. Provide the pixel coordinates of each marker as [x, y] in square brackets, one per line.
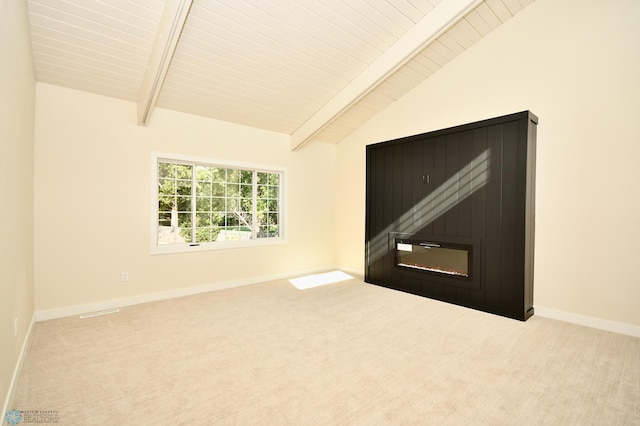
[439, 19]
[171, 23]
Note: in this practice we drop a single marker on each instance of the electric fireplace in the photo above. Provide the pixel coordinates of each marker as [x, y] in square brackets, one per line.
[454, 260]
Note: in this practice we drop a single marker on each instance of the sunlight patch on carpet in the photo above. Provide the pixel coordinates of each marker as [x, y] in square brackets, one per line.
[316, 280]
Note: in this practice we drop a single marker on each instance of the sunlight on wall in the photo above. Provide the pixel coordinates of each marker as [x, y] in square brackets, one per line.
[317, 280]
[458, 187]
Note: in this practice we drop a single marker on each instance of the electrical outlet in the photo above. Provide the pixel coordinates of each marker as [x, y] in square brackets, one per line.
[124, 276]
[15, 327]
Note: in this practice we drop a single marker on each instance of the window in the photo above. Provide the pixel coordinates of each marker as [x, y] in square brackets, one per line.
[203, 205]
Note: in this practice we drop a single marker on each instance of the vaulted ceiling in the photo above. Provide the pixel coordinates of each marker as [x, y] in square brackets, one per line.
[312, 69]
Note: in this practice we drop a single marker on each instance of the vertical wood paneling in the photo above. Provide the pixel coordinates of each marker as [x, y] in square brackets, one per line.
[493, 238]
[440, 177]
[465, 206]
[428, 162]
[512, 213]
[420, 187]
[479, 206]
[452, 175]
[451, 214]
[408, 181]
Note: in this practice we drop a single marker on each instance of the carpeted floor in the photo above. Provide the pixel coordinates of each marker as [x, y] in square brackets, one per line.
[348, 353]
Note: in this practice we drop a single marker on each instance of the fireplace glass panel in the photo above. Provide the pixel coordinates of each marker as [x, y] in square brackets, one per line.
[434, 257]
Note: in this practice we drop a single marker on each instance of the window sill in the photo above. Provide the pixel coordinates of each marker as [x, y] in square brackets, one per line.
[226, 245]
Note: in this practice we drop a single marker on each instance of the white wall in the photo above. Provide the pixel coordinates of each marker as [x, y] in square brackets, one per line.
[17, 106]
[92, 200]
[575, 64]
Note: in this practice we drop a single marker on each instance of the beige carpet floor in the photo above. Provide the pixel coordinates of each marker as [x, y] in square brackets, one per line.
[348, 353]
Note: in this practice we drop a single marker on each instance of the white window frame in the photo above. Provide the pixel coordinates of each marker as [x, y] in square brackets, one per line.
[218, 245]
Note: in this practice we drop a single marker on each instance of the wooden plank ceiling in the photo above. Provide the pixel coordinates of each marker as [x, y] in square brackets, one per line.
[312, 69]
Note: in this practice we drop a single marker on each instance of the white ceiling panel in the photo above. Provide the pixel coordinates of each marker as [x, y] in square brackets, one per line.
[97, 46]
[290, 66]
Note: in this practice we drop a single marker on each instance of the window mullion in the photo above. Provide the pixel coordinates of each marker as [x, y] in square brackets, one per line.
[193, 203]
[254, 205]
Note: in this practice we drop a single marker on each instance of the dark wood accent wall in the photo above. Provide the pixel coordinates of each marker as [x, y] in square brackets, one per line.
[472, 183]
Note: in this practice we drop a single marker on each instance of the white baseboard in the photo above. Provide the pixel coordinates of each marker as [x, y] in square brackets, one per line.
[68, 311]
[16, 371]
[599, 323]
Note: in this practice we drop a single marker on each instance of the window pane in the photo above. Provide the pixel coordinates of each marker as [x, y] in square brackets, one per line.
[272, 218]
[247, 221]
[203, 173]
[232, 204]
[218, 189]
[262, 178]
[247, 177]
[165, 203]
[185, 236]
[268, 178]
[233, 190]
[164, 219]
[206, 235]
[217, 174]
[166, 170]
[203, 219]
[184, 223]
[203, 204]
[246, 191]
[246, 204]
[183, 171]
[167, 235]
[183, 204]
[184, 220]
[233, 176]
[217, 204]
[167, 186]
[183, 187]
[231, 220]
[203, 188]
[269, 231]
